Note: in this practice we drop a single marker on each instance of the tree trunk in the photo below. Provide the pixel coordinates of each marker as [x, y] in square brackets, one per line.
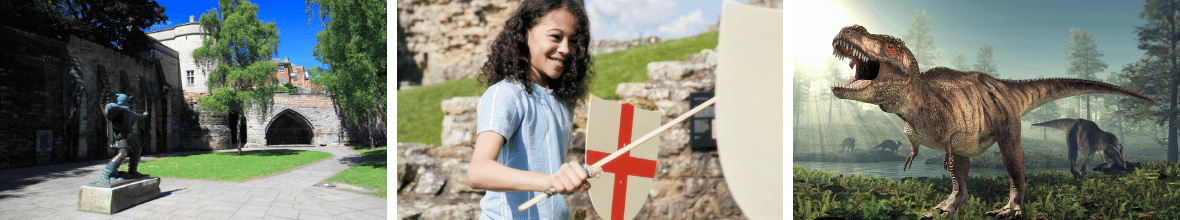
[1088, 108]
[821, 136]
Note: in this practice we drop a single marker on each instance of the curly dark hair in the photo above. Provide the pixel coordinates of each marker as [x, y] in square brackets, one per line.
[509, 59]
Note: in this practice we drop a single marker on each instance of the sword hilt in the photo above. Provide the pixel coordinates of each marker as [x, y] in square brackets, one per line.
[590, 172]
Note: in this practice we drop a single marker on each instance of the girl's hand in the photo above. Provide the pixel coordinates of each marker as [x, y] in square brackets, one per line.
[568, 179]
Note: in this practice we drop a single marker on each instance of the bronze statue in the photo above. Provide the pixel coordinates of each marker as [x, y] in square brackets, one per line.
[124, 124]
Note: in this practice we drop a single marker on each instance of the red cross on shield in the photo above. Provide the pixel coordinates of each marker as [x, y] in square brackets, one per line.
[622, 188]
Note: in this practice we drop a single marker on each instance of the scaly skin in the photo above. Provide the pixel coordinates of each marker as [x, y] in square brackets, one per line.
[961, 113]
[1086, 137]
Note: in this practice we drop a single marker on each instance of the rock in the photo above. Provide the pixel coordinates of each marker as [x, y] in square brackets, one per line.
[459, 123]
[672, 109]
[450, 152]
[631, 90]
[460, 105]
[459, 211]
[457, 183]
[675, 70]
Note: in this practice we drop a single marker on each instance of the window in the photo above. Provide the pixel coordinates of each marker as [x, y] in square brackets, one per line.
[190, 77]
[292, 76]
[282, 68]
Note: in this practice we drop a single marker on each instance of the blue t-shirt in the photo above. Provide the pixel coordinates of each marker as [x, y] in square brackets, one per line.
[536, 128]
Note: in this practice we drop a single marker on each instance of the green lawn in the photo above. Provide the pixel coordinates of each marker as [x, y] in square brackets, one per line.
[419, 116]
[371, 175]
[228, 166]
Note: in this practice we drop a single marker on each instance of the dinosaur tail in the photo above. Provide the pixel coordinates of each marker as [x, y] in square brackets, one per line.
[1061, 124]
[1029, 94]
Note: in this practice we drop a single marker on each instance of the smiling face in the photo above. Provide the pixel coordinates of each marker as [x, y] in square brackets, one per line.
[549, 45]
[882, 63]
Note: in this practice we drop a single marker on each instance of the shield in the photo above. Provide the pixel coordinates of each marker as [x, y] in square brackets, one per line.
[622, 188]
[750, 107]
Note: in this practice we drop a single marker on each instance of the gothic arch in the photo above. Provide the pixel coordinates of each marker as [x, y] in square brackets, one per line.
[289, 127]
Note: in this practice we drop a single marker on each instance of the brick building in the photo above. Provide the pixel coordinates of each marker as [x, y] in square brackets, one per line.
[296, 75]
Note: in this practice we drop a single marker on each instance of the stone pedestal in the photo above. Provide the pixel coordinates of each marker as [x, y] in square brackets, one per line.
[118, 197]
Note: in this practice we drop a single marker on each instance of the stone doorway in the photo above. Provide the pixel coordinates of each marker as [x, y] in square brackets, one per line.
[289, 128]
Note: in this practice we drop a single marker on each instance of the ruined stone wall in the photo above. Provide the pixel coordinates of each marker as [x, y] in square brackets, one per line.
[54, 92]
[203, 130]
[448, 39]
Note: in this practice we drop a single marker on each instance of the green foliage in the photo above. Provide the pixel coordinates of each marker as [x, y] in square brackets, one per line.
[290, 88]
[1149, 191]
[117, 24]
[420, 115]
[239, 48]
[228, 166]
[352, 45]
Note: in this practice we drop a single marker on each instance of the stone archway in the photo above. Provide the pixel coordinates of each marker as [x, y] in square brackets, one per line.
[289, 128]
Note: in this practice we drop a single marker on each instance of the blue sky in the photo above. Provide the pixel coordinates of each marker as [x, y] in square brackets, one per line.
[1031, 38]
[668, 19]
[296, 37]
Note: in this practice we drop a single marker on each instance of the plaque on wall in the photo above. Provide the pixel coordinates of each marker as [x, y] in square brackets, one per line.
[703, 138]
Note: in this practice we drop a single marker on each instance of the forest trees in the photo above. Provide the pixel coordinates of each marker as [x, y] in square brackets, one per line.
[117, 24]
[238, 50]
[984, 62]
[1155, 75]
[352, 45]
[1083, 60]
[919, 38]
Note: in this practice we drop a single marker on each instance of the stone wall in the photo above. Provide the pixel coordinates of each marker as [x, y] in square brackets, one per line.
[448, 39]
[54, 90]
[606, 46]
[317, 110]
[432, 181]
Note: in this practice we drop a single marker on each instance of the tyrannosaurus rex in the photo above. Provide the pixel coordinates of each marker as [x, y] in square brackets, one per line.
[1085, 136]
[961, 113]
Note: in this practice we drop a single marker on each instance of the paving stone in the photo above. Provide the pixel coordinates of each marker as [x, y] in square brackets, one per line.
[214, 215]
[288, 195]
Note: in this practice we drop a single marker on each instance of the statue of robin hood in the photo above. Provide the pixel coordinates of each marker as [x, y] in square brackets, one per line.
[123, 123]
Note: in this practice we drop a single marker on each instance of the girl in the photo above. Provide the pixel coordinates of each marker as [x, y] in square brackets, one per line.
[538, 71]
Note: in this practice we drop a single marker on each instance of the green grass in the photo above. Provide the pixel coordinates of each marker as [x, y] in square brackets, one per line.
[371, 175]
[419, 115]
[228, 166]
[1149, 191]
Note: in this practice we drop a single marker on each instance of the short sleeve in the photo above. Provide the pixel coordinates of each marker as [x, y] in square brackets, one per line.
[498, 110]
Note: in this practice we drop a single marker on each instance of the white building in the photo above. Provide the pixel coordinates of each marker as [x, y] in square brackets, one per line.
[184, 38]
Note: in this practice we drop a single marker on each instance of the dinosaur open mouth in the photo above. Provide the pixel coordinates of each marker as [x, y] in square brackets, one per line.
[866, 68]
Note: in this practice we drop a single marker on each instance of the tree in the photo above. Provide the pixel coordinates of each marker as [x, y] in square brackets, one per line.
[290, 88]
[1155, 75]
[984, 62]
[118, 24]
[921, 41]
[960, 62]
[238, 49]
[352, 45]
[1083, 59]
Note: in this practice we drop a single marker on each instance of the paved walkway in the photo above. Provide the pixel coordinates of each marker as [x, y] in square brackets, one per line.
[51, 192]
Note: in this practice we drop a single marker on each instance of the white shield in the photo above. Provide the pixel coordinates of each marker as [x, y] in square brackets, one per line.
[622, 188]
[750, 107]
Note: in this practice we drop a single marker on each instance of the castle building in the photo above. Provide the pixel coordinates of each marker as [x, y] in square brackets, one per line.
[184, 38]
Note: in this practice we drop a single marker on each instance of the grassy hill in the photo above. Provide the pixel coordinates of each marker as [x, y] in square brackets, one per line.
[419, 116]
